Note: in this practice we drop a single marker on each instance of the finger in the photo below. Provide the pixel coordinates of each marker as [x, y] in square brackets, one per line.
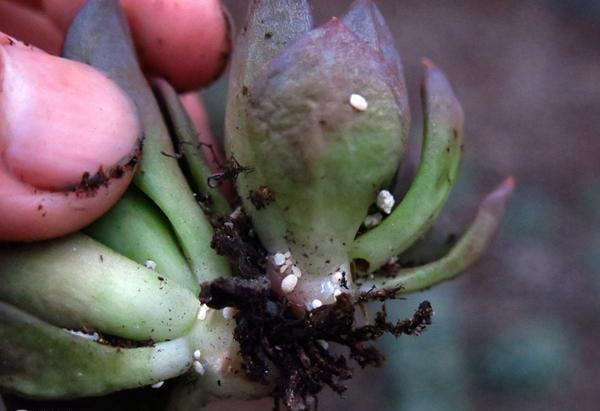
[184, 41]
[32, 26]
[69, 139]
[33, 4]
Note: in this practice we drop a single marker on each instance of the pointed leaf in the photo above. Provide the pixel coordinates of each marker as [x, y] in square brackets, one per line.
[186, 136]
[270, 26]
[324, 159]
[77, 283]
[39, 360]
[440, 158]
[135, 228]
[466, 251]
[366, 21]
[100, 37]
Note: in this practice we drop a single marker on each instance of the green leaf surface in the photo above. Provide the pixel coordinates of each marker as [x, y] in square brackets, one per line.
[440, 160]
[186, 137]
[39, 360]
[76, 282]
[324, 159]
[270, 26]
[136, 228]
[100, 37]
[466, 251]
[366, 21]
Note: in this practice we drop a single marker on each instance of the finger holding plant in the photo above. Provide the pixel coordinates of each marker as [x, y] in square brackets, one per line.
[316, 127]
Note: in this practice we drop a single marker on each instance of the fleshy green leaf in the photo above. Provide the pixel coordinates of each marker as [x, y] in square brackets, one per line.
[270, 26]
[75, 282]
[466, 251]
[440, 159]
[186, 137]
[100, 37]
[39, 360]
[135, 228]
[324, 159]
[366, 21]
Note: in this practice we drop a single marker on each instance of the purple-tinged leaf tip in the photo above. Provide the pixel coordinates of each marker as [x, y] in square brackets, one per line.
[366, 21]
[495, 202]
[269, 27]
[440, 104]
[466, 251]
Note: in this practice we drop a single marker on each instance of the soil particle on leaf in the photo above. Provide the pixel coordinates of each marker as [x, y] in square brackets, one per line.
[261, 197]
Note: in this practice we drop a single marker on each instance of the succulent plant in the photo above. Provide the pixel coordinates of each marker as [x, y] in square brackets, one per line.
[317, 124]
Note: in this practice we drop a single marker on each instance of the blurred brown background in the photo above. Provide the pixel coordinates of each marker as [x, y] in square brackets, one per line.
[521, 330]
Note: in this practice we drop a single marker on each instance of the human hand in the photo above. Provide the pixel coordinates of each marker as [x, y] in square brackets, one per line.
[65, 127]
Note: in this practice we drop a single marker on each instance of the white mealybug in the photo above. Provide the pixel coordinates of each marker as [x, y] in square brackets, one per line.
[150, 265]
[296, 271]
[289, 283]
[284, 267]
[358, 102]
[316, 304]
[372, 220]
[93, 337]
[228, 312]
[337, 277]
[197, 355]
[385, 201]
[278, 259]
[199, 368]
[203, 311]
[158, 384]
[337, 293]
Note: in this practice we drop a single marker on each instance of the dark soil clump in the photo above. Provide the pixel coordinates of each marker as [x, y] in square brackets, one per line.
[279, 347]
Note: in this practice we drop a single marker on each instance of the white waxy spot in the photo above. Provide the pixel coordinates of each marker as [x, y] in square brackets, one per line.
[158, 384]
[372, 220]
[199, 368]
[228, 312]
[337, 277]
[289, 283]
[323, 344]
[150, 265]
[203, 311]
[337, 293]
[93, 337]
[316, 304]
[197, 355]
[358, 102]
[284, 267]
[235, 214]
[278, 259]
[287, 254]
[296, 271]
[385, 201]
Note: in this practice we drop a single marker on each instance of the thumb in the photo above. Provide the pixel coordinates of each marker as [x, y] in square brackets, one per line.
[69, 139]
